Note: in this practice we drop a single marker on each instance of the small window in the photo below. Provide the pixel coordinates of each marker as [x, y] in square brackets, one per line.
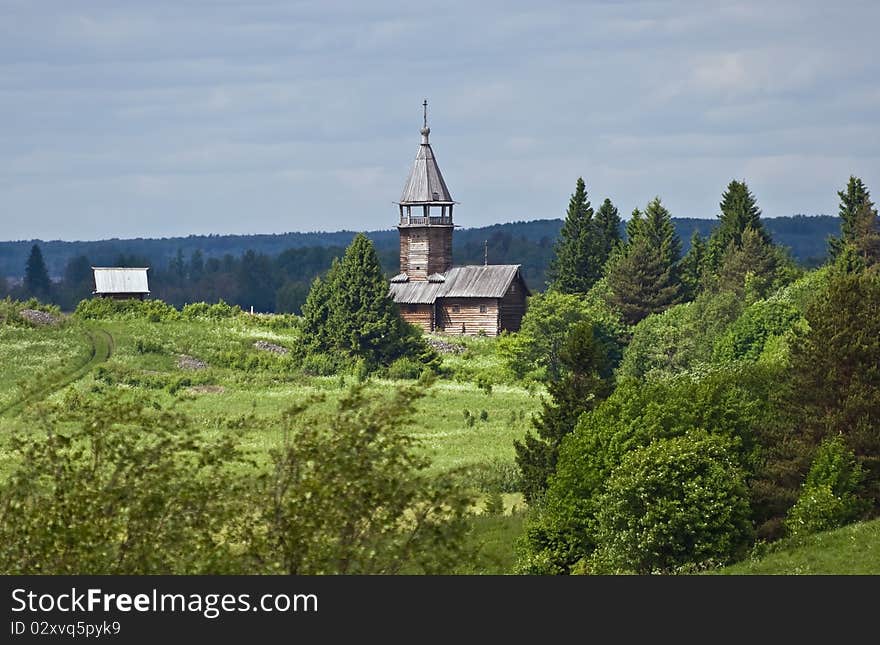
[412, 308]
[456, 309]
[483, 309]
[513, 288]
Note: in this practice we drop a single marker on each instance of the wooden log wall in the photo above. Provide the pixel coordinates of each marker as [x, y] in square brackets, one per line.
[464, 316]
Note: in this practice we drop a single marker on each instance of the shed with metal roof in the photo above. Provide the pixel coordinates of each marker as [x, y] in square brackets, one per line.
[121, 282]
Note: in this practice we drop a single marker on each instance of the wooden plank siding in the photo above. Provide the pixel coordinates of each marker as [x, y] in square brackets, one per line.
[463, 316]
[425, 250]
[513, 306]
[420, 315]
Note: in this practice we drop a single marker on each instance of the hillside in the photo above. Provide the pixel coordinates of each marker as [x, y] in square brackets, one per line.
[851, 550]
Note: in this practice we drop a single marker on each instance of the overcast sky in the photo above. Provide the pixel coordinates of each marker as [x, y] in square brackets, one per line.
[170, 117]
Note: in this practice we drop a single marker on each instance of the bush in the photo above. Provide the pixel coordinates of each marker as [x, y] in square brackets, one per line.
[319, 364]
[405, 368]
[731, 403]
[112, 309]
[680, 338]
[673, 503]
[218, 311]
[829, 496]
[534, 350]
[762, 321]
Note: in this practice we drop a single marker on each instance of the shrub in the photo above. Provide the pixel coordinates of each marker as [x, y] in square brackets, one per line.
[680, 338]
[217, 311]
[762, 321]
[535, 349]
[405, 367]
[494, 504]
[112, 309]
[675, 502]
[731, 403]
[829, 496]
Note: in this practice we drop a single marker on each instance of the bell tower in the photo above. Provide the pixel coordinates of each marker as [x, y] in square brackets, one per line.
[425, 222]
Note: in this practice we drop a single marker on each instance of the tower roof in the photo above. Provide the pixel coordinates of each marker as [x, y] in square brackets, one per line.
[425, 184]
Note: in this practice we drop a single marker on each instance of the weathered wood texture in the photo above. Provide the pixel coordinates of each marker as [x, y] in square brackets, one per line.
[419, 315]
[464, 316]
[425, 250]
[513, 306]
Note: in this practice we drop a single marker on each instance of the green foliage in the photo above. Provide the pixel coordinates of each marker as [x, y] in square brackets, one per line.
[494, 504]
[484, 415]
[739, 211]
[855, 208]
[580, 250]
[583, 383]
[851, 550]
[351, 312]
[693, 265]
[116, 487]
[680, 339]
[112, 309]
[829, 497]
[733, 404]
[10, 311]
[675, 502]
[534, 350]
[36, 277]
[217, 311]
[347, 494]
[405, 367]
[608, 219]
[836, 369]
[746, 338]
[643, 276]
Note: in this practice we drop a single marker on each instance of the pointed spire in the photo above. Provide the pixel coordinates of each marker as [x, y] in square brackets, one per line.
[425, 129]
[425, 184]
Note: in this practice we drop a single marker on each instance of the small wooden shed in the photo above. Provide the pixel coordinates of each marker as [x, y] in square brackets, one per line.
[121, 282]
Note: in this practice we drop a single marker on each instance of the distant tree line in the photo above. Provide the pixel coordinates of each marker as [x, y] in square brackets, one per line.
[273, 272]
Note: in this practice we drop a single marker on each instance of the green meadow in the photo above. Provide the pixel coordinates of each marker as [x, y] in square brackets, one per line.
[212, 370]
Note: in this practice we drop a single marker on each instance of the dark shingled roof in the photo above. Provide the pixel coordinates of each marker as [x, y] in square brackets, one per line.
[476, 281]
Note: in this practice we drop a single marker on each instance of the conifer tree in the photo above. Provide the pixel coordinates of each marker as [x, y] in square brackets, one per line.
[579, 251]
[854, 200]
[693, 265]
[608, 220]
[351, 312]
[753, 260]
[739, 211]
[36, 277]
[643, 277]
[583, 382]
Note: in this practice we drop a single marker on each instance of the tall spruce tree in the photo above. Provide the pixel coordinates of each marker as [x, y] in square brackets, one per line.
[854, 200]
[579, 251]
[644, 277]
[582, 383]
[693, 265]
[739, 211]
[36, 277]
[608, 220]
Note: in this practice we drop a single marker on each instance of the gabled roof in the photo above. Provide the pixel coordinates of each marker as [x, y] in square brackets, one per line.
[121, 280]
[425, 184]
[475, 281]
[479, 281]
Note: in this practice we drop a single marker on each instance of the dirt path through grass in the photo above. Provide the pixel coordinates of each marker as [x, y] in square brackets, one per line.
[101, 347]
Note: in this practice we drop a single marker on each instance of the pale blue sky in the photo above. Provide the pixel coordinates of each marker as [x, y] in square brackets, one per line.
[170, 117]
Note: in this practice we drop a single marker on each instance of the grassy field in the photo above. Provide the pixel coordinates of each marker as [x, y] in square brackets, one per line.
[459, 423]
[851, 550]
